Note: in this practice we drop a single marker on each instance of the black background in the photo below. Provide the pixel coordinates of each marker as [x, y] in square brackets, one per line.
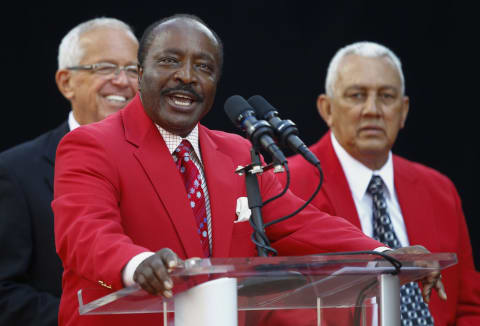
[280, 49]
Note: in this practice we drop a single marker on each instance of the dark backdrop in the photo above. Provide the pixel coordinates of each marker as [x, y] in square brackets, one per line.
[280, 49]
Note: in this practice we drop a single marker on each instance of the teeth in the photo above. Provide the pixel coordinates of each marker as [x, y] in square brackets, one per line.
[182, 96]
[182, 100]
[117, 98]
[184, 103]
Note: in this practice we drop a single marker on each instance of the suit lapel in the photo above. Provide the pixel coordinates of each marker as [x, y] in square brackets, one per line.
[221, 182]
[414, 205]
[153, 155]
[335, 186]
[50, 150]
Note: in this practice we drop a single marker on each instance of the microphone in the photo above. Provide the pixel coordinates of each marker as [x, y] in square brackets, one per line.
[259, 132]
[286, 130]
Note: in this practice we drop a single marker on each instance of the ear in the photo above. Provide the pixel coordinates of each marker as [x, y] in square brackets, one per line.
[64, 83]
[405, 108]
[324, 108]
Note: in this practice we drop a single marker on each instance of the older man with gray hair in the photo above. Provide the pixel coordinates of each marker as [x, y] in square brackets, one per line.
[393, 200]
[97, 73]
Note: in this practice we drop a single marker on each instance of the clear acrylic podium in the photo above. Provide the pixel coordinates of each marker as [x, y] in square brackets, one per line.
[265, 284]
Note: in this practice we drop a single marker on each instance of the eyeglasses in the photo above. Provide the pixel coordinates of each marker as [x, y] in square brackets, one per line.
[105, 68]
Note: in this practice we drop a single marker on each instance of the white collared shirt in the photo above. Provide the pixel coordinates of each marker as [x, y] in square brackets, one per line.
[358, 177]
[72, 122]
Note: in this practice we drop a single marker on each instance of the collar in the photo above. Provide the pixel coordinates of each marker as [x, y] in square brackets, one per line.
[72, 123]
[172, 141]
[358, 175]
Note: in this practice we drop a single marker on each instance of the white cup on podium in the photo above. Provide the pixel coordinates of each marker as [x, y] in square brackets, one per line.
[212, 303]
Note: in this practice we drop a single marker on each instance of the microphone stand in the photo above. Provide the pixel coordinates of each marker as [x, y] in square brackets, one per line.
[255, 201]
[282, 281]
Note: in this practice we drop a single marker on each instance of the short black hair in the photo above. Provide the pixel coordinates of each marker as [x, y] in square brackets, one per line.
[149, 35]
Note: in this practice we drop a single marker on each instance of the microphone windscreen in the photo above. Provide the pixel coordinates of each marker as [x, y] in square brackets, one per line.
[262, 107]
[234, 106]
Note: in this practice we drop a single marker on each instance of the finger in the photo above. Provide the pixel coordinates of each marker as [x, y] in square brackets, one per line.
[167, 294]
[428, 284]
[140, 279]
[441, 289]
[426, 292]
[161, 274]
[156, 275]
[153, 275]
[169, 258]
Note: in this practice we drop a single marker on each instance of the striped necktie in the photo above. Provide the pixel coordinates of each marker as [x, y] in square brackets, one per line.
[413, 310]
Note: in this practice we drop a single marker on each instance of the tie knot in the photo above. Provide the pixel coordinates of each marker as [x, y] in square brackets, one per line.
[376, 185]
[184, 149]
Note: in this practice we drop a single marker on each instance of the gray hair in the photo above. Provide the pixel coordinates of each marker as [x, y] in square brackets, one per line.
[70, 52]
[364, 49]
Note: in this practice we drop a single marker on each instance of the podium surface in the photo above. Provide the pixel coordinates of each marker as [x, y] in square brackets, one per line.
[272, 283]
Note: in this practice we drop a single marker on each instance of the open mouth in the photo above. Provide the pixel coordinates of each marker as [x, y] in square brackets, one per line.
[116, 98]
[181, 100]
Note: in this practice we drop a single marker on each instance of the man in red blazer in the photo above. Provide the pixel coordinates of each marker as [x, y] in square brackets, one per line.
[119, 197]
[365, 107]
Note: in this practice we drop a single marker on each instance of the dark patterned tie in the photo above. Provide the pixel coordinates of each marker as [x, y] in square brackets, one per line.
[413, 309]
[193, 185]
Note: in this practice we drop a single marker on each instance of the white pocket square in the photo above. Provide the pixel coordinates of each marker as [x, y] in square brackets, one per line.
[242, 210]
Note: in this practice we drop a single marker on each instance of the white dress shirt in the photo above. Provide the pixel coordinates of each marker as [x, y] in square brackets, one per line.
[172, 141]
[72, 123]
[358, 177]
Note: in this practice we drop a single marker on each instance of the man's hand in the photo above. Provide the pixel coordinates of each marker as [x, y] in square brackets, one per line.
[153, 273]
[432, 280]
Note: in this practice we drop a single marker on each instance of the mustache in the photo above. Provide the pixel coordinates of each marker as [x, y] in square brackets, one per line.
[184, 88]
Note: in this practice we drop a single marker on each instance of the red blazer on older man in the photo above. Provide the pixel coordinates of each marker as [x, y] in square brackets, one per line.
[433, 216]
[118, 193]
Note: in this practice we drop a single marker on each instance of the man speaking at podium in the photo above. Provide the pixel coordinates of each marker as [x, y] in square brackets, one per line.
[152, 177]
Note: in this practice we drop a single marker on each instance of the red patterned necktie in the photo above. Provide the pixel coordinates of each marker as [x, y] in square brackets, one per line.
[193, 185]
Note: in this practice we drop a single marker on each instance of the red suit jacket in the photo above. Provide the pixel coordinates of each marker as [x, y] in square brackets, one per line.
[433, 216]
[118, 193]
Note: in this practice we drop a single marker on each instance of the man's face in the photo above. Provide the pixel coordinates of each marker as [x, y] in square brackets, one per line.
[178, 79]
[367, 108]
[94, 96]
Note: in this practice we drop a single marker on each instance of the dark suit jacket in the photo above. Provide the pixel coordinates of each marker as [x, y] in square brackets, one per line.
[118, 193]
[30, 272]
[433, 216]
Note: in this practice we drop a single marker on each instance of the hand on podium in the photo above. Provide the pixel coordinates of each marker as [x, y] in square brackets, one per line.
[432, 280]
[153, 274]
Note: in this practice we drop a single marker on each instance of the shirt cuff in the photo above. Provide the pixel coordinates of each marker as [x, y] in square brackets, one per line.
[382, 249]
[129, 270]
